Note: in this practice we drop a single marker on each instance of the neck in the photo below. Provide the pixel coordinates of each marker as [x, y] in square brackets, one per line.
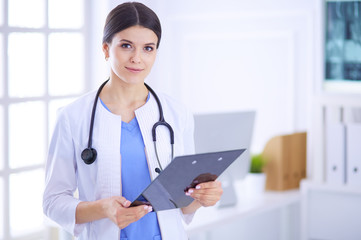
[119, 92]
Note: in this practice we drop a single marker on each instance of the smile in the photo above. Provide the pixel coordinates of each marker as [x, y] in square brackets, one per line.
[134, 70]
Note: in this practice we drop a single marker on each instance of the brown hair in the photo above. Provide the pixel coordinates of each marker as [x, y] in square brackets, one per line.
[130, 14]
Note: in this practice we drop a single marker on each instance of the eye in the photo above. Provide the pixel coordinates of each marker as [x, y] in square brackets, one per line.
[148, 48]
[126, 45]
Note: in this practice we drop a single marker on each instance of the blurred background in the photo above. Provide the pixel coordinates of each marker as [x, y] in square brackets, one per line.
[214, 56]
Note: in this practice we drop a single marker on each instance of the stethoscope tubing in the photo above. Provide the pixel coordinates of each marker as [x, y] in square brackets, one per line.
[160, 122]
[93, 114]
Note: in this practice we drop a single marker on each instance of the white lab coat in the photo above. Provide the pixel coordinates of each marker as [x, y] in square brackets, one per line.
[66, 172]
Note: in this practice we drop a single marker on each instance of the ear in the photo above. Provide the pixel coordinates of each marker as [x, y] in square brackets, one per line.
[106, 50]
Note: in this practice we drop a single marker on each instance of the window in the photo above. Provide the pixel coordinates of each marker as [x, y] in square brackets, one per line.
[1, 64]
[42, 68]
[1, 11]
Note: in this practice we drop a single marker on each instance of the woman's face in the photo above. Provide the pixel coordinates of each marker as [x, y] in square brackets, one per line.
[131, 54]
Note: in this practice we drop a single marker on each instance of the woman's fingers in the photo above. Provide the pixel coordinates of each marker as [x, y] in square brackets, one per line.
[129, 215]
[209, 185]
[119, 211]
[122, 201]
[207, 194]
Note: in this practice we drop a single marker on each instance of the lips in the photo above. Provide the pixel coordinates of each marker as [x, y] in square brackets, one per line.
[134, 70]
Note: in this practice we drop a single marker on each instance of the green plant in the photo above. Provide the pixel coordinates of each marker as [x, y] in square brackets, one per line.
[257, 163]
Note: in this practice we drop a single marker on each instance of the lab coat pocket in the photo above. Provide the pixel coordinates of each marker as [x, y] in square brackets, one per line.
[157, 237]
[123, 238]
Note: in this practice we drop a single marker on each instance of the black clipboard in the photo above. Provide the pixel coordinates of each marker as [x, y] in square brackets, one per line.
[167, 191]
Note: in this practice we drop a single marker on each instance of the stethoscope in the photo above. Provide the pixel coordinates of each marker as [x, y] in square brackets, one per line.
[89, 154]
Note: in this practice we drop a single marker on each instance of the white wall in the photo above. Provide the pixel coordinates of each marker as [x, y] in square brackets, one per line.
[219, 56]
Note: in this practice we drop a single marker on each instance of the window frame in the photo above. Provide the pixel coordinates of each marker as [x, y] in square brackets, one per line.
[6, 101]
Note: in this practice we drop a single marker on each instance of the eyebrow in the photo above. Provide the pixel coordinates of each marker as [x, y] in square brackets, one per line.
[125, 40]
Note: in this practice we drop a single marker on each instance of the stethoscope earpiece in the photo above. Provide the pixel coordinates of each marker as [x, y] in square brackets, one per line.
[89, 155]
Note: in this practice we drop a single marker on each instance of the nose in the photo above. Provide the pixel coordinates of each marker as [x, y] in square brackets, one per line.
[136, 57]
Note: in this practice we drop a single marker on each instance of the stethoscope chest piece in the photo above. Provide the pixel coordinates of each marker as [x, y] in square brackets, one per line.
[89, 155]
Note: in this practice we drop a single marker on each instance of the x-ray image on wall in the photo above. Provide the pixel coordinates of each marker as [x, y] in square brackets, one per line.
[343, 41]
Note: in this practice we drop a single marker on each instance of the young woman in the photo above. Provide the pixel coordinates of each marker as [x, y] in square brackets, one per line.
[113, 162]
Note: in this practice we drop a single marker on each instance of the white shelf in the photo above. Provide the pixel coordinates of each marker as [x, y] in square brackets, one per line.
[209, 218]
[350, 100]
[307, 185]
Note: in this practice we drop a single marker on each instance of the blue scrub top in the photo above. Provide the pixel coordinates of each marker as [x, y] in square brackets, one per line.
[135, 178]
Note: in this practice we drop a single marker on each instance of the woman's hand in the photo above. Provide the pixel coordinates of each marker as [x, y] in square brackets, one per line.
[207, 193]
[118, 211]
[115, 208]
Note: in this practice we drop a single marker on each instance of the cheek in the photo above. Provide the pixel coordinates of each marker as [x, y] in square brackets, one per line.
[119, 56]
[150, 59]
